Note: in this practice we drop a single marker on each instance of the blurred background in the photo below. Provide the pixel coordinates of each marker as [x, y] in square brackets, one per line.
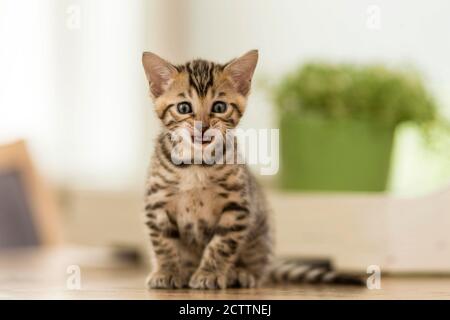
[360, 91]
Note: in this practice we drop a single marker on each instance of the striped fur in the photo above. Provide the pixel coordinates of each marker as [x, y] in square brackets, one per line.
[208, 224]
[201, 74]
[311, 272]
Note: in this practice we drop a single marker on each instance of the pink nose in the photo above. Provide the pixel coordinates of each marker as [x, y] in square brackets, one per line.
[200, 126]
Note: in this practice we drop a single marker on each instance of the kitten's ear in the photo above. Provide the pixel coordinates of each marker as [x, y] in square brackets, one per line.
[241, 71]
[159, 72]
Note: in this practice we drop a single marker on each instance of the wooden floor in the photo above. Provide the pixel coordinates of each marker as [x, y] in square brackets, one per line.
[50, 275]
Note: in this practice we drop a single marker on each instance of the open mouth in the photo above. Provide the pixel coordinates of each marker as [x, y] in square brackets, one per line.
[203, 140]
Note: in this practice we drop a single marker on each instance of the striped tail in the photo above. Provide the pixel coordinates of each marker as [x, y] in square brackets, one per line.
[310, 271]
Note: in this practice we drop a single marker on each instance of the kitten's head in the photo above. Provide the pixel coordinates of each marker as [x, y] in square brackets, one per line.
[201, 92]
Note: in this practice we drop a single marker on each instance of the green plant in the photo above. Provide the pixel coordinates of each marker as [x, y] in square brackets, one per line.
[342, 91]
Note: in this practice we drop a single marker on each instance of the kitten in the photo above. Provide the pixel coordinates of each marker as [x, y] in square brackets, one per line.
[209, 222]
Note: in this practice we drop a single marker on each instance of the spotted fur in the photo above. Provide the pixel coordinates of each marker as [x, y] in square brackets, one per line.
[209, 224]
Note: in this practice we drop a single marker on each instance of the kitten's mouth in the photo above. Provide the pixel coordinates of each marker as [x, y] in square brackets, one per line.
[203, 140]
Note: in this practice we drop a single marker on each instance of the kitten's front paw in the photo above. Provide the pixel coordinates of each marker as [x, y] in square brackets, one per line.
[241, 278]
[164, 280]
[208, 280]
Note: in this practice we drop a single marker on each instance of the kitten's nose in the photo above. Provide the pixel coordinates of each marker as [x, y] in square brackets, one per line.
[204, 128]
[201, 126]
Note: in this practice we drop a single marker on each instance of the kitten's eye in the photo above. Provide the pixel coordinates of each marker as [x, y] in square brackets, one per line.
[219, 107]
[184, 107]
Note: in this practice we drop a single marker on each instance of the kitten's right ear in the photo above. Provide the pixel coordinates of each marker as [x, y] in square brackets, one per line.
[159, 73]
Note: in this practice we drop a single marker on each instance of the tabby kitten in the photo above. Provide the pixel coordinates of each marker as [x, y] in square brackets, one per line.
[208, 222]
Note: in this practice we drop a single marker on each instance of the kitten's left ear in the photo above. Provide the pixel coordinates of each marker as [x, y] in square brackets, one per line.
[241, 71]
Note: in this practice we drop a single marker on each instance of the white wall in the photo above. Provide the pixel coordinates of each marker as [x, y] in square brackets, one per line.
[290, 31]
[27, 96]
[71, 84]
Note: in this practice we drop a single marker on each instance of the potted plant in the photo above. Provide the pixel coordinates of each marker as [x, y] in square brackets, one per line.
[337, 123]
